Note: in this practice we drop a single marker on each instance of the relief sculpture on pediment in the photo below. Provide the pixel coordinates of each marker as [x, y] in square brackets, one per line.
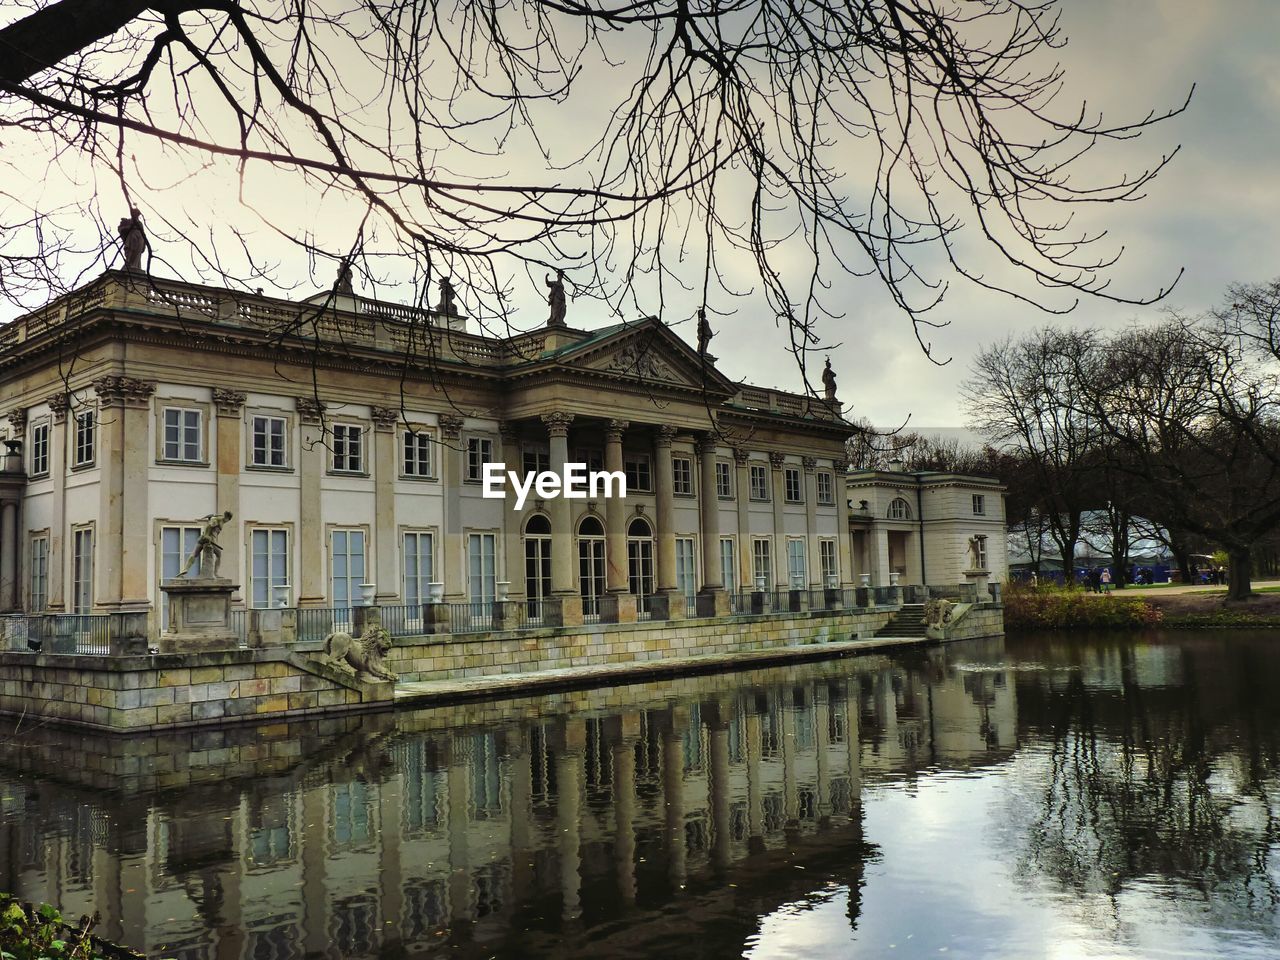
[640, 360]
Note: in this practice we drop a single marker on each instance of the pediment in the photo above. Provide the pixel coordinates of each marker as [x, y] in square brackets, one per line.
[651, 354]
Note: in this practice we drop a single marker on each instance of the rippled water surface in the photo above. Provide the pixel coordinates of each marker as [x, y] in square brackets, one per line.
[1038, 797]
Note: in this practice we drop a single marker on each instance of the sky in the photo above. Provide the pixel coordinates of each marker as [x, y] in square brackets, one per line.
[1211, 214]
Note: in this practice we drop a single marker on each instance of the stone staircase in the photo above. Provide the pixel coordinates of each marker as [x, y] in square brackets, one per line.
[907, 622]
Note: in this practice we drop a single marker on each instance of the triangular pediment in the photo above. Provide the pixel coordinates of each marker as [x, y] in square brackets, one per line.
[650, 353]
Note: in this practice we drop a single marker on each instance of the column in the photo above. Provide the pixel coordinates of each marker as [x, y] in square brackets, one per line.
[853, 738]
[712, 600]
[229, 405]
[615, 514]
[385, 537]
[513, 544]
[309, 555]
[59, 404]
[454, 578]
[664, 480]
[878, 555]
[781, 568]
[124, 540]
[841, 492]
[742, 488]
[9, 555]
[562, 553]
[814, 558]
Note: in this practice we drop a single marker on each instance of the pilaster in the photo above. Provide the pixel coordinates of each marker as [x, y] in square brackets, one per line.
[742, 488]
[562, 553]
[455, 588]
[384, 503]
[310, 555]
[841, 491]
[615, 514]
[813, 559]
[229, 405]
[665, 496]
[58, 404]
[513, 541]
[124, 405]
[778, 493]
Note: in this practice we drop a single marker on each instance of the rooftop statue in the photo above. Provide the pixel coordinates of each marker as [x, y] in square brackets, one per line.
[829, 380]
[705, 333]
[344, 284]
[207, 550]
[134, 238]
[556, 299]
[446, 304]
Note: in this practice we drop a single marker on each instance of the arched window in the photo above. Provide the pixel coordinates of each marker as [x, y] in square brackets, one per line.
[640, 563]
[899, 509]
[537, 564]
[591, 565]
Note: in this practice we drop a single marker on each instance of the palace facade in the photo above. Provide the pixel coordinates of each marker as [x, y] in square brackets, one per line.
[348, 437]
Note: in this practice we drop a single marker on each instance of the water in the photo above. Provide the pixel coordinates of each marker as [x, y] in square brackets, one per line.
[1037, 797]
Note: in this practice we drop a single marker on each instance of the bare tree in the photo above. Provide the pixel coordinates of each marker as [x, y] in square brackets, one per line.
[449, 137]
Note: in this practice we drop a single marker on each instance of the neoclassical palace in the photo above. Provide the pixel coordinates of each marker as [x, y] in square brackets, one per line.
[348, 438]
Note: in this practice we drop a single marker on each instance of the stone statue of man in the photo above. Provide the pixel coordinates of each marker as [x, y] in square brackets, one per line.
[975, 551]
[208, 544]
[829, 380]
[134, 238]
[344, 284]
[556, 300]
[705, 333]
[446, 305]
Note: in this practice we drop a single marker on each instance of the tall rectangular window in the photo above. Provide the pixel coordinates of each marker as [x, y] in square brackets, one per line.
[417, 460]
[761, 564]
[268, 565]
[828, 557]
[85, 438]
[176, 544]
[759, 482]
[482, 576]
[182, 435]
[346, 566]
[479, 452]
[797, 572]
[639, 474]
[39, 574]
[792, 485]
[82, 570]
[418, 564]
[729, 563]
[535, 460]
[979, 504]
[826, 488]
[347, 453]
[682, 476]
[268, 441]
[724, 481]
[40, 449]
[686, 572]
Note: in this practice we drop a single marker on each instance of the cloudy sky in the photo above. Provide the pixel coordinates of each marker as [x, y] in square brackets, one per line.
[1212, 213]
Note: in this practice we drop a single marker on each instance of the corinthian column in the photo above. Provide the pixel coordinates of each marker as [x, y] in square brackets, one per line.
[125, 542]
[229, 405]
[455, 589]
[559, 507]
[615, 514]
[666, 572]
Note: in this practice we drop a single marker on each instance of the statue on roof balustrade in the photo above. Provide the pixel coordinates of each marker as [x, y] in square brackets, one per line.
[134, 239]
[556, 299]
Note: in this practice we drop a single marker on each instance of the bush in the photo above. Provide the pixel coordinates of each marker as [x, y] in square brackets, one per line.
[1051, 607]
[40, 933]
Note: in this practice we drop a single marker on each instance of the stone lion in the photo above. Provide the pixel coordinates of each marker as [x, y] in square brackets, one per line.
[937, 613]
[360, 655]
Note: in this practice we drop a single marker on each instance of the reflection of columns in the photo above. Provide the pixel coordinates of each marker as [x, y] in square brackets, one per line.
[665, 481]
[720, 819]
[58, 403]
[568, 814]
[841, 493]
[814, 561]
[852, 724]
[230, 428]
[709, 514]
[790, 786]
[822, 737]
[888, 710]
[673, 795]
[229, 935]
[513, 568]
[459, 852]
[520, 777]
[311, 546]
[615, 514]
[742, 489]
[384, 500]
[781, 562]
[624, 807]
[315, 898]
[562, 552]
[390, 873]
[9, 555]
[755, 795]
[124, 543]
[454, 580]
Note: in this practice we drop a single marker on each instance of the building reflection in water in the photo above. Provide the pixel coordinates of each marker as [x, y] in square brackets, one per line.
[627, 821]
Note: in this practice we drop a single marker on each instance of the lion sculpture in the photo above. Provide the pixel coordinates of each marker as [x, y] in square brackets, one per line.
[938, 613]
[361, 655]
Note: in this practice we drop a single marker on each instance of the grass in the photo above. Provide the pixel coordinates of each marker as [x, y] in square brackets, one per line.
[1070, 608]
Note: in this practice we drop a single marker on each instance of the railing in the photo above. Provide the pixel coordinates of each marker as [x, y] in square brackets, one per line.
[88, 633]
[316, 623]
[404, 620]
[239, 623]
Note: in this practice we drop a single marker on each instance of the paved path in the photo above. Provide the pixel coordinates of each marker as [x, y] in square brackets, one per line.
[1188, 588]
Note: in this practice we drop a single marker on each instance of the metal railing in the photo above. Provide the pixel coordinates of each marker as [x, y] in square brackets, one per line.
[316, 623]
[88, 633]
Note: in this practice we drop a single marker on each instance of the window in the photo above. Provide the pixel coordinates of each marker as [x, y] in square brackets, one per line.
[639, 476]
[536, 460]
[267, 435]
[346, 566]
[176, 544]
[591, 564]
[40, 449]
[593, 458]
[482, 577]
[797, 568]
[85, 430]
[640, 563]
[898, 510]
[761, 564]
[826, 489]
[724, 481]
[346, 448]
[417, 460]
[537, 564]
[791, 483]
[686, 572]
[979, 504]
[39, 574]
[682, 476]
[828, 557]
[479, 452]
[82, 570]
[759, 482]
[418, 564]
[268, 565]
[729, 563]
[182, 435]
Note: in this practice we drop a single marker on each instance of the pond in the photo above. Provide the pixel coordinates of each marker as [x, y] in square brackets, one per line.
[1030, 797]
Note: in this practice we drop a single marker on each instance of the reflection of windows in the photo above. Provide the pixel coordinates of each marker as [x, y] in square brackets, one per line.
[426, 908]
[275, 938]
[270, 839]
[898, 510]
[423, 788]
[486, 777]
[354, 927]
[352, 815]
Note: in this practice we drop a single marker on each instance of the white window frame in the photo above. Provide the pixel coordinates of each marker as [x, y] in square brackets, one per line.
[682, 476]
[829, 558]
[638, 468]
[348, 448]
[979, 502]
[181, 450]
[899, 509]
[762, 557]
[687, 566]
[797, 563]
[479, 452]
[759, 477]
[187, 537]
[348, 567]
[86, 438]
[82, 569]
[415, 583]
[826, 487]
[267, 421]
[40, 448]
[792, 485]
[482, 566]
[729, 563]
[724, 480]
[270, 576]
[38, 599]
[417, 454]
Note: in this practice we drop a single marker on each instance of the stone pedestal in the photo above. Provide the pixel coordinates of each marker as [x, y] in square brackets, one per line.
[199, 615]
[797, 601]
[618, 608]
[668, 605]
[976, 581]
[713, 603]
[562, 611]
